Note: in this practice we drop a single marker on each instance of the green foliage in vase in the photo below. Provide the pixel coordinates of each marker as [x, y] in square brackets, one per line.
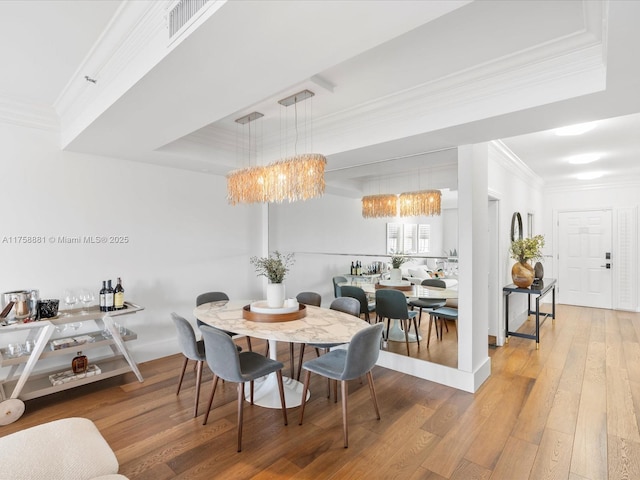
[527, 249]
[274, 267]
[398, 259]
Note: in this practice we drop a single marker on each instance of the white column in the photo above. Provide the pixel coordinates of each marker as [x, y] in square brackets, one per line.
[473, 258]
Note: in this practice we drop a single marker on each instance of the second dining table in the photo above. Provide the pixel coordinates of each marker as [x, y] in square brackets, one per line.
[319, 325]
[396, 334]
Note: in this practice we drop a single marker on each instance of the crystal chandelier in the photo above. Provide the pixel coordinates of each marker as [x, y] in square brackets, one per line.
[424, 202]
[376, 206]
[299, 177]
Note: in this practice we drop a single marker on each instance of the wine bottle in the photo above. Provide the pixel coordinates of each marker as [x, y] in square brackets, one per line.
[353, 269]
[108, 298]
[118, 296]
[103, 294]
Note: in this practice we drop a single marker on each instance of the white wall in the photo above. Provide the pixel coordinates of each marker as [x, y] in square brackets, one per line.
[518, 190]
[183, 238]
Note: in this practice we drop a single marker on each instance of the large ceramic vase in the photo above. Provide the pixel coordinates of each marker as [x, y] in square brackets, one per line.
[275, 295]
[395, 275]
[522, 274]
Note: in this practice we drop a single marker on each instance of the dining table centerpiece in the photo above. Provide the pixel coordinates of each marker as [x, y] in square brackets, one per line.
[397, 259]
[524, 250]
[275, 268]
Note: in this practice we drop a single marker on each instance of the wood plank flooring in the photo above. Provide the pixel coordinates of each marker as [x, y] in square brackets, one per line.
[570, 410]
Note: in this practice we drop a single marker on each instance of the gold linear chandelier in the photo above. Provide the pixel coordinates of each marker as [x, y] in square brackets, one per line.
[299, 177]
[424, 202]
[376, 206]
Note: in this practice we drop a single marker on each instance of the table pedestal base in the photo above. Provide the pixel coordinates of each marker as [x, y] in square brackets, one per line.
[266, 392]
[396, 334]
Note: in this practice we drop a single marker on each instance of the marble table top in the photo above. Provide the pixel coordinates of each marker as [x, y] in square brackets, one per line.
[321, 325]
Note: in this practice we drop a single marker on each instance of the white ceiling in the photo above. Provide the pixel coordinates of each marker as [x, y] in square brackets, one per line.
[392, 79]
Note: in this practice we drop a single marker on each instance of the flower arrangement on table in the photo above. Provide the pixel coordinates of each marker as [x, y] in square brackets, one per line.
[397, 259]
[274, 267]
[527, 249]
[524, 250]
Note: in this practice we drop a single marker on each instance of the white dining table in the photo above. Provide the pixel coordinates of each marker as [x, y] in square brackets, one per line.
[320, 325]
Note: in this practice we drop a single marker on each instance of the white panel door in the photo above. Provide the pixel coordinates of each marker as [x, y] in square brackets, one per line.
[584, 241]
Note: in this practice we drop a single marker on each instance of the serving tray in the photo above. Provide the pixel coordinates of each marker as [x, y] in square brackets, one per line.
[247, 314]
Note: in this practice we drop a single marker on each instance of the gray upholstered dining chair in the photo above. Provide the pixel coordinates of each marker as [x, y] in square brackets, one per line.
[337, 280]
[357, 360]
[392, 305]
[343, 304]
[227, 363]
[209, 297]
[428, 303]
[192, 349]
[307, 298]
[366, 307]
[443, 314]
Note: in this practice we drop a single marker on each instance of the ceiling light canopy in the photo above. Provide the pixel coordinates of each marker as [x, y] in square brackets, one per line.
[299, 177]
[577, 129]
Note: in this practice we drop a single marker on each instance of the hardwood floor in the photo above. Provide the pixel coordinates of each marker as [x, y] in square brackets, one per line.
[567, 411]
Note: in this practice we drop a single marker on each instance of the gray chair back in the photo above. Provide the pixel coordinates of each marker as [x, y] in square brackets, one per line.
[222, 355]
[346, 305]
[336, 288]
[210, 297]
[434, 282]
[187, 339]
[363, 352]
[309, 298]
[391, 304]
[358, 294]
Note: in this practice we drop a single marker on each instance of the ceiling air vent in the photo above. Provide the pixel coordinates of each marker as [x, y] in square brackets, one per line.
[182, 12]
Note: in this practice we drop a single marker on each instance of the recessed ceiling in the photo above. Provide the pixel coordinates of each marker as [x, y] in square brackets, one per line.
[400, 78]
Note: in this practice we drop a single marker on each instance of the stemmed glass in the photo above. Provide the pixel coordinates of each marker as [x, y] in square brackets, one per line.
[86, 297]
[70, 298]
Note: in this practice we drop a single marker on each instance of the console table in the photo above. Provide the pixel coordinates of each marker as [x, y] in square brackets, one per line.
[539, 289]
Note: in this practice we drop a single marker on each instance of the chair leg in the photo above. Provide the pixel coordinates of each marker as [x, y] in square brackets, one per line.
[199, 365]
[251, 391]
[388, 325]
[429, 333]
[415, 326]
[305, 387]
[420, 317]
[213, 392]
[406, 325]
[240, 411]
[335, 391]
[184, 368]
[345, 418]
[300, 357]
[282, 400]
[266, 352]
[249, 344]
[372, 390]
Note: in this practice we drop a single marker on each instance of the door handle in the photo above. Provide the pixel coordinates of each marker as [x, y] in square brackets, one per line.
[608, 265]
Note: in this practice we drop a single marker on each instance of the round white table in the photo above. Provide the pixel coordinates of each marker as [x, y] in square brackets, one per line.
[320, 325]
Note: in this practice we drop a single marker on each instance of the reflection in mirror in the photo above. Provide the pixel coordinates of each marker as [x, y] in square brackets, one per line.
[329, 233]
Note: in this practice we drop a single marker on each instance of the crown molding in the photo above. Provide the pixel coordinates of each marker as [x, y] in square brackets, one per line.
[502, 155]
[17, 112]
